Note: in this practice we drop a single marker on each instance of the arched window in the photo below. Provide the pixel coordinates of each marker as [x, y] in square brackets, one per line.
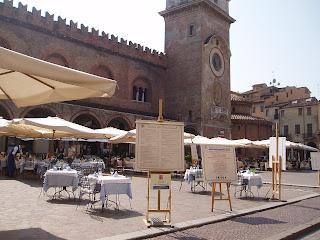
[119, 123]
[141, 91]
[87, 120]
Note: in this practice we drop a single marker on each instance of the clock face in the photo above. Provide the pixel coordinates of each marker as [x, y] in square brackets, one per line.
[216, 62]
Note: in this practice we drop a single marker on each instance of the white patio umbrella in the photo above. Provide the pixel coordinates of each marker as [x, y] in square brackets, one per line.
[225, 142]
[29, 81]
[199, 140]
[58, 128]
[130, 137]
[7, 128]
[110, 132]
[127, 137]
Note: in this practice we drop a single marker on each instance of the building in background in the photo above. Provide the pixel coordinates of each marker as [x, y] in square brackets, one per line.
[195, 91]
[298, 120]
[262, 96]
[244, 124]
[296, 112]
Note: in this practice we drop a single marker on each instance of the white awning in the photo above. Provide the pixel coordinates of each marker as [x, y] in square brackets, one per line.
[29, 81]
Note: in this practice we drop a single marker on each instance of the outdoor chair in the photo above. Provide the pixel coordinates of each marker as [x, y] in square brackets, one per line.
[28, 166]
[89, 188]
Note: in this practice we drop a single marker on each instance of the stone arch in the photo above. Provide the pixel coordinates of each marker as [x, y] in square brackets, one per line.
[5, 112]
[58, 59]
[87, 119]
[120, 122]
[191, 129]
[4, 43]
[102, 71]
[141, 90]
[39, 112]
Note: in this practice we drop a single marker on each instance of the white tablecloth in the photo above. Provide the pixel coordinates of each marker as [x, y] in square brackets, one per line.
[91, 164]
[253, 180]
[60, 178]
[111, 185]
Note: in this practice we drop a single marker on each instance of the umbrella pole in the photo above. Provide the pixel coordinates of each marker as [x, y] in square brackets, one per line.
[52, 143]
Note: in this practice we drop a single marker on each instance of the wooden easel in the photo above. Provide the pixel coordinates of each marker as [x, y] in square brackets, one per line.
[276, 171]
[213, 198]
[167, 221]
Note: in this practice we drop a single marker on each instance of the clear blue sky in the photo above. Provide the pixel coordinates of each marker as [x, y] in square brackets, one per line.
[280, 36]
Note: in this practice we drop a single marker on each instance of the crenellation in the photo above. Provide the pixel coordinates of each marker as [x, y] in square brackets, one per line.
[23, 7]
[73, 26]
[8, 3]
[36, 12]
[49, 17]
[84, 29]
[73, 31]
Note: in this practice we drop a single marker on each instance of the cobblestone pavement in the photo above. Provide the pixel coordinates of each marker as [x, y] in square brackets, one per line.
[300, 178]
[27, 214]
[256, 226]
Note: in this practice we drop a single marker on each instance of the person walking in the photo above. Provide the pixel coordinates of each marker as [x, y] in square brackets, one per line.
[11, 153]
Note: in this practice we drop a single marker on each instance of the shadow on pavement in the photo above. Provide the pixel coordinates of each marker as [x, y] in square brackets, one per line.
[28, 234]
[98, 215]
[256, 220]
[185, 236]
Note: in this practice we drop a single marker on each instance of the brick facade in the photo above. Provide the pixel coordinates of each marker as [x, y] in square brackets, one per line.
[143, 75]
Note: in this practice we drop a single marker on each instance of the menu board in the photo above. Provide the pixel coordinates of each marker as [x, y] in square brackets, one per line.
[281, 151]
[160, 181]
[159, 146]
[315, 160]
[219, 163]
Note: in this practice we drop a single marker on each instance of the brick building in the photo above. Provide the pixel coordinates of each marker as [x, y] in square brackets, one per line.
[195, 84]
[263, 96]
[244, 124]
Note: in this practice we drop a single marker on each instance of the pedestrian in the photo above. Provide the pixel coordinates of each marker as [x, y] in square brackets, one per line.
[13, 149]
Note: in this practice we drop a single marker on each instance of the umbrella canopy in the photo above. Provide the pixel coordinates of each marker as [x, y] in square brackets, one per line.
[130, 137]
[7, 128]
[199, 140]
[29, 81]
[57, 128]
[127, 137]
[225, 142]
[110, 132]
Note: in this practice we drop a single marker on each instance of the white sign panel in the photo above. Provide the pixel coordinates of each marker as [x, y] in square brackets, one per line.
[194, 153]
[159, 146]
[315, 160]
[281, 151]
[219, 163]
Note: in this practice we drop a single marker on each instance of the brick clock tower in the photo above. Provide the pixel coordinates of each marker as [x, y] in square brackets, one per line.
[197, 89]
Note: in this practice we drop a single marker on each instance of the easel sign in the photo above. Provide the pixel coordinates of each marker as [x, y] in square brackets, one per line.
[219, 166]
[194, 154]
[315, 163]
[160, 181]
[281, 151]
[159, 146]
[160, 151]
